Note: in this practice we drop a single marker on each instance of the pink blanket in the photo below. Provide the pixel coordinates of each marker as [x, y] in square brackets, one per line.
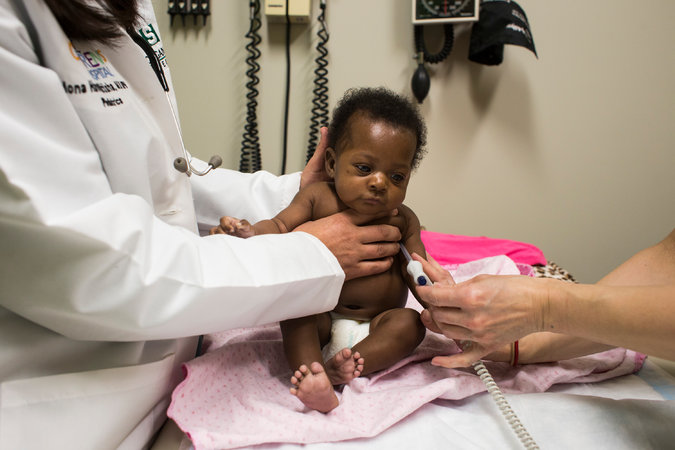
[237, 394]
[457, 249]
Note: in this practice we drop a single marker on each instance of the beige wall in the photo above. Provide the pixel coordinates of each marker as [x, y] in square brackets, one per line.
[573, 152]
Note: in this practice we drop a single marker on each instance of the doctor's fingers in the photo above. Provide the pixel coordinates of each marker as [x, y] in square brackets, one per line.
[346, 241]
[347, 226]
[368, 257]
[356, 218]
[456, 333]
[451, 322]
[464, 359]
[435, 272]
[445, 294]
[382, 239]
[428, 321]
[367, 268]
[373, 249]
[315, 169]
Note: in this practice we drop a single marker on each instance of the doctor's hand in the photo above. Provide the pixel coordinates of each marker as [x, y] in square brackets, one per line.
[315, 169]
[361, 250]
[483, 315]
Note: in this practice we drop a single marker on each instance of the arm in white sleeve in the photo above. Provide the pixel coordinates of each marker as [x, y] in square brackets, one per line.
[91, 264]
[112, 271]
[253, 197]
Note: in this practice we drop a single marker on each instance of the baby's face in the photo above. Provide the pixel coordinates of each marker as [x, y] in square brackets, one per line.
[372, 171]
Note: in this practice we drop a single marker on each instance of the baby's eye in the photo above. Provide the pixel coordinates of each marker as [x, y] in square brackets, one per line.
[362, 168]
[398, 178]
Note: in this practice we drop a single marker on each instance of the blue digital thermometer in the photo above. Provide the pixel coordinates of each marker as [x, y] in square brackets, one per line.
[414, 268]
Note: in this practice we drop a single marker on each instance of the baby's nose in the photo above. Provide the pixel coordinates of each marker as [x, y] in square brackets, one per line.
[378, 181]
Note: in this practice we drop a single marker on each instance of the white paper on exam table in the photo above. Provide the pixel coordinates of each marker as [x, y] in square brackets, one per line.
[629, 412]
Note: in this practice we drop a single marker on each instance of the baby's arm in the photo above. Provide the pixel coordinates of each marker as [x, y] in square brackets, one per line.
[234, 227]
[295, 214]
[412, 240]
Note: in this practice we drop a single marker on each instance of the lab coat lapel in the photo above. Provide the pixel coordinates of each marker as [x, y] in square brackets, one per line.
[109, 86]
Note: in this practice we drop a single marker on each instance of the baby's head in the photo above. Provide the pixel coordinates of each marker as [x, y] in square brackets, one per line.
[379, 105]
[375, 140]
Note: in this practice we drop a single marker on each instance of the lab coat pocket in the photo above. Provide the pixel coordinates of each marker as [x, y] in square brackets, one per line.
[93, 409]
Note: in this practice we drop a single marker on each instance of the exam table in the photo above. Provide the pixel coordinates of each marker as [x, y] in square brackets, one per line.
[630, 412]
[627, 412]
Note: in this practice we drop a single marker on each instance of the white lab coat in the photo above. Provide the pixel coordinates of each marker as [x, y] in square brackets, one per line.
[104, 279]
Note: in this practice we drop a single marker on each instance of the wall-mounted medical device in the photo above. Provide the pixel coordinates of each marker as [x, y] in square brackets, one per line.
[501, 22]
[431, 12]
[292, 11]
[444, 11]
[186, 8]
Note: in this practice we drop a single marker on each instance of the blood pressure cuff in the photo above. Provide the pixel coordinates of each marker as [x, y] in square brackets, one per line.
[500, 22]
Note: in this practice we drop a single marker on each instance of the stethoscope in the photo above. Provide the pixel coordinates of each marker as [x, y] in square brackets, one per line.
[181, 164]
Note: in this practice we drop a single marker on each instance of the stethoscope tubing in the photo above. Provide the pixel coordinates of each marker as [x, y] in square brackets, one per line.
[181, 164]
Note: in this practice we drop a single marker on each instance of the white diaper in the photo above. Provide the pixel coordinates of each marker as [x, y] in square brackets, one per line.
[345, 333]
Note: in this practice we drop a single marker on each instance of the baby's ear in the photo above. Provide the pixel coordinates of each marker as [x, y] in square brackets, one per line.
[330, 162]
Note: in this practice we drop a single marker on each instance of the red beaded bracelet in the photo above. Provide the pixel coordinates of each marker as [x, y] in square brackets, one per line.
[514, 354]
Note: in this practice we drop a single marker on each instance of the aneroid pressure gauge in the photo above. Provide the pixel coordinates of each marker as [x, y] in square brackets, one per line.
[444, 11]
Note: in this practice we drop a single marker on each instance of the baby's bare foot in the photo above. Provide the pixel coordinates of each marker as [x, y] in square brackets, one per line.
[313, 388]
[344, 366]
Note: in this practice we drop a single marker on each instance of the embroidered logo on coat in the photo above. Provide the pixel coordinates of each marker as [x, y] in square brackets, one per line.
[94, 61]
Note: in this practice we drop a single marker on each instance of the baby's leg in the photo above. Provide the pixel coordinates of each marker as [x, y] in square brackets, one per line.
[394, 334]
[302, 339]
[313, 388]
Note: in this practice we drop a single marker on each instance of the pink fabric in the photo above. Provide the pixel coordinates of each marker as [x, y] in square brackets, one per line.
[455, 249]
[237, 394]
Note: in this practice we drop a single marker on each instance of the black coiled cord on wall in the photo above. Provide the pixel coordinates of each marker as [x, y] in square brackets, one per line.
[250, 145]
[320, 109]
[448, 41]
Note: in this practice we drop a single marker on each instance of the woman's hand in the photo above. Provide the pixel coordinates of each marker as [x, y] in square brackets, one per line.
[483, 315]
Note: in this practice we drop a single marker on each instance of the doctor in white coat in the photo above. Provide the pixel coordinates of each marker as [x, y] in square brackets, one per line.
[104, 278]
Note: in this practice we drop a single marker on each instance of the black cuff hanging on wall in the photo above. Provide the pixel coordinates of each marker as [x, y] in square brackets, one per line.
[500, 22]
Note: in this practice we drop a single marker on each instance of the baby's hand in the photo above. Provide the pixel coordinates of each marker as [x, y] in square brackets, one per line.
[234, 227]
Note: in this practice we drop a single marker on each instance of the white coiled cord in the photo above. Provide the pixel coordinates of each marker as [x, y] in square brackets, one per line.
[415, 270]
[504, 406]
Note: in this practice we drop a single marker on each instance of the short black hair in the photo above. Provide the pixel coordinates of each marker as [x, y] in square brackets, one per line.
[378, 104]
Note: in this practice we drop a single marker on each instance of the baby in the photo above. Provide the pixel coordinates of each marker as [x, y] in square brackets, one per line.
[375, 140]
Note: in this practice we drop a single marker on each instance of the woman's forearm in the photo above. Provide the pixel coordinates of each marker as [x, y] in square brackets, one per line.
[635, 317]
[551, 347]
[638, 315]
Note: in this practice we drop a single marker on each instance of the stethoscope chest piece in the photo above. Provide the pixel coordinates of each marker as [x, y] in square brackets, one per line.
[183, 165]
